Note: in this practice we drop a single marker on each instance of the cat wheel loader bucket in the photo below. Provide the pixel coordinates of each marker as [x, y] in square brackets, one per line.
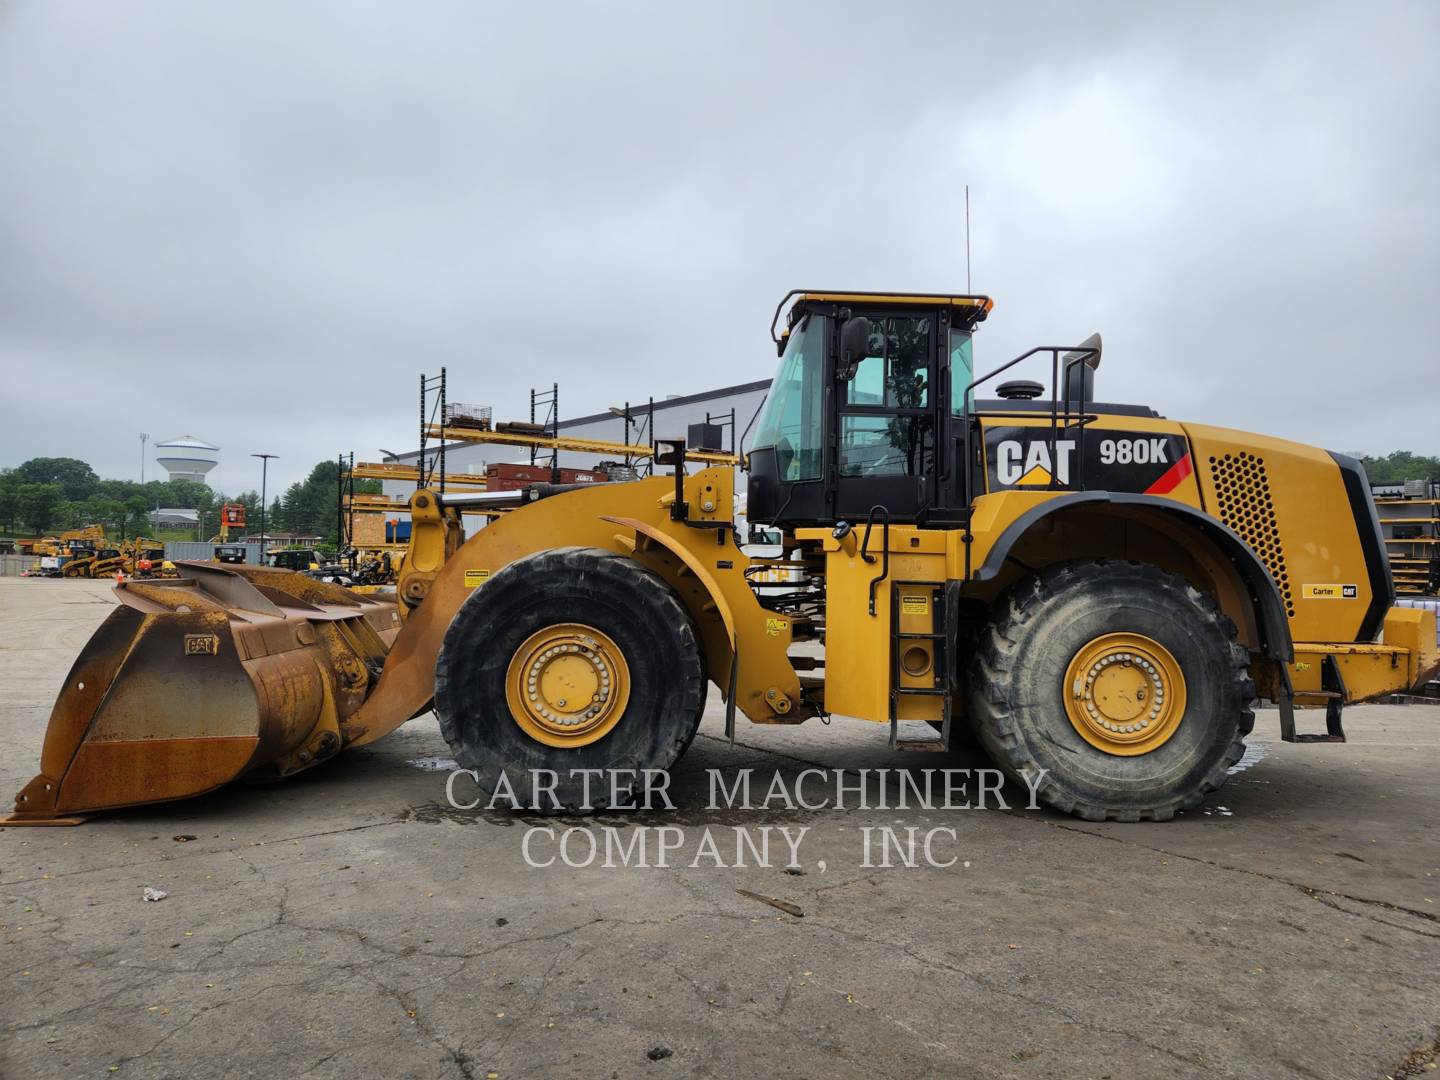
[222, 673]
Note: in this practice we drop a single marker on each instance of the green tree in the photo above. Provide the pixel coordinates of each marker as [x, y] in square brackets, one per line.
[134, 521]
[9, 499]
[251, 501]
[107, 512]
[1400, 465]
[292, 510]
[39, 505]
[75, 477]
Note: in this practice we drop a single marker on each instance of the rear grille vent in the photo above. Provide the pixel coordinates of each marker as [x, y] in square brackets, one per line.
[1243, 491]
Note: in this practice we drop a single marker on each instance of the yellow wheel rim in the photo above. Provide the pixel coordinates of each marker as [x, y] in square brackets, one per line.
[567, 685]
[1124, 694]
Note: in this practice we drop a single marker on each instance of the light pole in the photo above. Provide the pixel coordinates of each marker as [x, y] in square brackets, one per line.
[264, 468]
[143, 436]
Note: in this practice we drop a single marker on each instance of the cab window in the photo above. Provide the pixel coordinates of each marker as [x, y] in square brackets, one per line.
[895, 374]
[896, 445]
[793, 420]
[962, 368]
[884, 429]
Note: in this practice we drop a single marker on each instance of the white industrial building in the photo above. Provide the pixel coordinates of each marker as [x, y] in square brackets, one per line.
[672, 418]
[174, 518]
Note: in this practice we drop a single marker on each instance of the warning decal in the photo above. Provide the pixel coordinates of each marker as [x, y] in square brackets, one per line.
[475, 577]
[914, 605]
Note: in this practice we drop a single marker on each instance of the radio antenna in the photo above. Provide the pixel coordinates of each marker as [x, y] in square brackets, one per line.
[967, 238]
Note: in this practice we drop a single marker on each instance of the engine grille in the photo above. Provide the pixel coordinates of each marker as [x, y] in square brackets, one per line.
[1243, 492]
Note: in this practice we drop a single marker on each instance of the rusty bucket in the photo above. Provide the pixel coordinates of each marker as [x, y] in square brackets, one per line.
[221, 673]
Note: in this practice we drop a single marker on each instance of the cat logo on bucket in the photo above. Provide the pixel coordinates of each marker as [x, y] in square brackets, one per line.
[202, 644]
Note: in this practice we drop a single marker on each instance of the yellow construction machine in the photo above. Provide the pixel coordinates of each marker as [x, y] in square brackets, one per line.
[1095, 592]
[128, 559]
[93, 562]
[75, 540]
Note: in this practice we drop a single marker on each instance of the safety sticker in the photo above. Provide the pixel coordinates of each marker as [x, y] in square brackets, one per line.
[475, 577]
[1329, 592]
[202, 644]
[914, 605]
[775, 627]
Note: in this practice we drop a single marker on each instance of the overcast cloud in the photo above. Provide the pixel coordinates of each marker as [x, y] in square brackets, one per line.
[258, 223]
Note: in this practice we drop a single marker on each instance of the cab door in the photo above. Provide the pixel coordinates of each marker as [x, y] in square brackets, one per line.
[885, 421]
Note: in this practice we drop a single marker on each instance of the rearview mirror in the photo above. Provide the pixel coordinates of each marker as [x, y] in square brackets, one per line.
[854, 345]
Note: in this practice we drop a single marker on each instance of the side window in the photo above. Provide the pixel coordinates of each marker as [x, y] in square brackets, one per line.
[962, 368]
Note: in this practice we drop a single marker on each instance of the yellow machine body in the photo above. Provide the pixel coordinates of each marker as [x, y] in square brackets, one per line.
[1295, 516]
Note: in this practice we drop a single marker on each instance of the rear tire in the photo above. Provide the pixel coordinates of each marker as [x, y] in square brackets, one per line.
[1038, 649]
[650, 649]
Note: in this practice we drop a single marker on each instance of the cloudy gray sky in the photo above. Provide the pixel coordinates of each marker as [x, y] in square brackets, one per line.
[259, 222]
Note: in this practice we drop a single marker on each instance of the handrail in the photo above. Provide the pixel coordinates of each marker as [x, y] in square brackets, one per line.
[1081, 353]
[884, 553]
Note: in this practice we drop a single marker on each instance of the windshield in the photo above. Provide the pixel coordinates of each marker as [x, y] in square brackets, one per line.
[962, 368]
[793, 418]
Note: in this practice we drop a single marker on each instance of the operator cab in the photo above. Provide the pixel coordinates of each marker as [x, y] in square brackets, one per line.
[869, 386]
[301, 559]
[868, 415]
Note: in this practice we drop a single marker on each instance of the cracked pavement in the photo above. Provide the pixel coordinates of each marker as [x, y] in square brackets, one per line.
[349, 922]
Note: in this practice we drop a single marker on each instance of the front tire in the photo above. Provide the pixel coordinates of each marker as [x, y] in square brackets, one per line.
[570, 659]
[1123, 682]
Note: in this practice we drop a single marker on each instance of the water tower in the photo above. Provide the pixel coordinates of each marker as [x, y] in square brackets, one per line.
[187, 458]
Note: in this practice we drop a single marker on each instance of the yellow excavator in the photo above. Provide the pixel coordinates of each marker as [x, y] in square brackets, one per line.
[1094, 592]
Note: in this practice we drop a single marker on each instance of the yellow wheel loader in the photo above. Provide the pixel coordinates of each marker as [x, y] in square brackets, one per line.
[1094, 592]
